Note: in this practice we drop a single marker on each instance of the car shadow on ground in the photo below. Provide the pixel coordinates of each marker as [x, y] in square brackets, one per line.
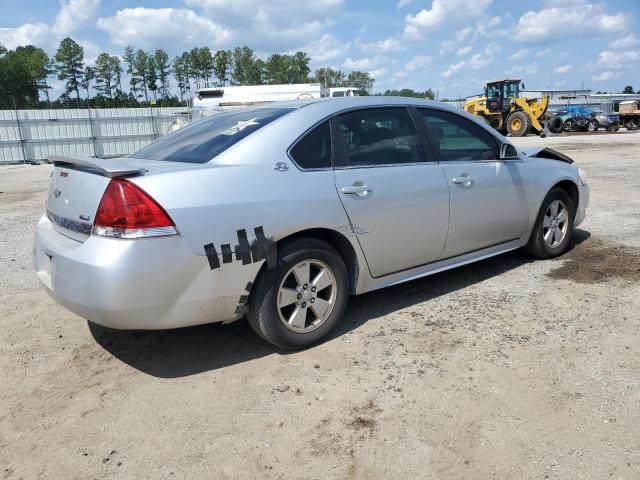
[189, 351]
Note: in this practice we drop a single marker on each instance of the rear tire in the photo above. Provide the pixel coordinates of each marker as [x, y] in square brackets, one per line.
[518, 124]
[552, 231]
[593, 126]
[297, 325]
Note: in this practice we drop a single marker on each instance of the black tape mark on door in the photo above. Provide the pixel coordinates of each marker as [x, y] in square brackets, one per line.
[262, 248]
[243, 250]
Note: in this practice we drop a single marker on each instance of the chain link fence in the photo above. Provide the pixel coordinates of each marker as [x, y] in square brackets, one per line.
[30, 136]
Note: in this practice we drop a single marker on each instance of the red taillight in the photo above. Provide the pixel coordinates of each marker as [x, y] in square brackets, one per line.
[127, 211]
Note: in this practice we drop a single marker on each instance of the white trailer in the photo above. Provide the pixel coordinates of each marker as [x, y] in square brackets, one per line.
[210, 98]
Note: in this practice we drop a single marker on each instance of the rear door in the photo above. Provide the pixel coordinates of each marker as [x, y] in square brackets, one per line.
[489, 196]
[394, 193]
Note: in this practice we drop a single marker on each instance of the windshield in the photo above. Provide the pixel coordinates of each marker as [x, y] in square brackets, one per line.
[207, 138]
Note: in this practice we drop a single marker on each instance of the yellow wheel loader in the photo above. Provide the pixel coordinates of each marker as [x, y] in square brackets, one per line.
[503, 109]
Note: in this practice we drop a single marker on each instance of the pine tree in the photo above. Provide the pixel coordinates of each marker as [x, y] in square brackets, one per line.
[129, 58]
[141, 70]
[70, 65]
[163, 69]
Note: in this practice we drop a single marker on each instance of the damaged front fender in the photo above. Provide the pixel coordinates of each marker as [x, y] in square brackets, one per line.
[546, 152]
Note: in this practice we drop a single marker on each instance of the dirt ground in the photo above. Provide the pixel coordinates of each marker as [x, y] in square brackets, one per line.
[509, 368]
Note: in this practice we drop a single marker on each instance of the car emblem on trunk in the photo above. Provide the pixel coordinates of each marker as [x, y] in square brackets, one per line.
[57, 192]
[281, 167]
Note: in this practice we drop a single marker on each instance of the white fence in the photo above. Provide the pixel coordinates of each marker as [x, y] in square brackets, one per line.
[33, 135]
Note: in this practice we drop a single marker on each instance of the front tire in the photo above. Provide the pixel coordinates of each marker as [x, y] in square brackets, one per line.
[593, 126]
[518, 124]
[552, 230]
[298, 302]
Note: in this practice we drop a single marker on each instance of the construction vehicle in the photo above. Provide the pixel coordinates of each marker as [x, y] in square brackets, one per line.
[503, 109]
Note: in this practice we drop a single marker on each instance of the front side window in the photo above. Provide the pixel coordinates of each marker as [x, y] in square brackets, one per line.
[379, 136]
[458, 138]
[338, 94]
[314, 150]
[207, 138]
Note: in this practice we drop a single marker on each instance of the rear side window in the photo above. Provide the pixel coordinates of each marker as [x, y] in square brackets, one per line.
[379, 136]
[314, 150]
[458, 138]
[204, 140]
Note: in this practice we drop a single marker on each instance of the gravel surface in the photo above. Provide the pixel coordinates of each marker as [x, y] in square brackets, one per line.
[508, 368]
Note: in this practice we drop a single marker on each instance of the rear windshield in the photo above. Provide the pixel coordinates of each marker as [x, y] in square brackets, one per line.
[207, 138]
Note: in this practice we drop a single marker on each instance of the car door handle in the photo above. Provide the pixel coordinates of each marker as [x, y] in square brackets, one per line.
[463, 179]
[357, 188]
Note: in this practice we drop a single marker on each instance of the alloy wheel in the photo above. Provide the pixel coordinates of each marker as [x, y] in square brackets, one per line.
[306, 296]
[555, 224]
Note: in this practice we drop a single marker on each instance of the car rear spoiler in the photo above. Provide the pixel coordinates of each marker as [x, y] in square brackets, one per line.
[107, 167]
[546, 152]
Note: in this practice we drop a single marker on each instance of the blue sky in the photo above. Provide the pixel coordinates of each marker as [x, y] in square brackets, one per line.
[451, 46]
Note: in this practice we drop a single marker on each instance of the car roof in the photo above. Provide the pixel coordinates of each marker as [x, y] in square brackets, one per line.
[341, 103]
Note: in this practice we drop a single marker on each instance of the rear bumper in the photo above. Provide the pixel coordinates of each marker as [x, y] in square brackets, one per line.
[155, 283]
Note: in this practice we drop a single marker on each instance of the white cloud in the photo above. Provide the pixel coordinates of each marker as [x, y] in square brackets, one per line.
[27, 34]
[167, 28]
[390, 44]
[91, 51]
[378, 72]
[624, 42]
[278, 25]
[73, 15]
[464, 50]
[520, 55]
[364, 63]
[575, 19]
[464, 34]
[419, 62]
[543, 53]
[492, 48]
[447, 46]
[617, 60]
[476, 62]
[443, 12]
[562, 69]
[524, 70]
[606, 75]
[325, 49]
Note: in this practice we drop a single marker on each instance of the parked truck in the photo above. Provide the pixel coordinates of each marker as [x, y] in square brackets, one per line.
[629, 114]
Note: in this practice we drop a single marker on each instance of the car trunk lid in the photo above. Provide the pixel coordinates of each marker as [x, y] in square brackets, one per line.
[77, 184]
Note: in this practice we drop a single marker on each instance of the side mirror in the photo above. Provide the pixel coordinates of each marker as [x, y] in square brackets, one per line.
[508, 151]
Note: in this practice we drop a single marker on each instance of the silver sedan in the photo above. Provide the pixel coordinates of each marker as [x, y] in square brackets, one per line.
[279, 213]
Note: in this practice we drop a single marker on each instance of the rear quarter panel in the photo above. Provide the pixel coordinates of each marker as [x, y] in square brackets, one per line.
[241, 190]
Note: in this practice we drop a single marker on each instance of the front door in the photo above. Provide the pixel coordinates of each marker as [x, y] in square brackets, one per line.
[395, 196]
[489, 197]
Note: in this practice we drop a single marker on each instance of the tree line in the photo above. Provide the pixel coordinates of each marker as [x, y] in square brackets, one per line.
[25, 75]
